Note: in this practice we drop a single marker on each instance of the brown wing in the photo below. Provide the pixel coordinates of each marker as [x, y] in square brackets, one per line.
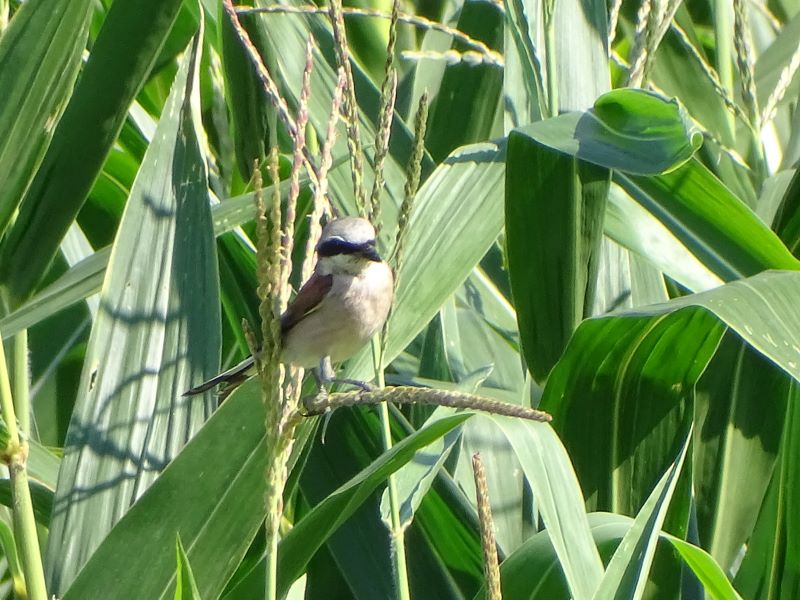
[307, 299]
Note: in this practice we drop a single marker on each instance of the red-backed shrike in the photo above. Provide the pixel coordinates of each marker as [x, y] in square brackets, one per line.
[341, 306]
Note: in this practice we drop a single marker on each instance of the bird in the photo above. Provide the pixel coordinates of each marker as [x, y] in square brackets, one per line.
[341, 306]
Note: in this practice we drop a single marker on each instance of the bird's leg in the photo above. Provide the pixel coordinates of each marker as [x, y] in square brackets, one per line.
[326, 375]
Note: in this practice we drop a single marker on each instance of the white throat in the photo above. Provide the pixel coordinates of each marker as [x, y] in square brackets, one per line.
[342, 264]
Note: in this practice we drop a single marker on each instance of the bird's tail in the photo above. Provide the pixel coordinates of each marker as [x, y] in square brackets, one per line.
[233, 377]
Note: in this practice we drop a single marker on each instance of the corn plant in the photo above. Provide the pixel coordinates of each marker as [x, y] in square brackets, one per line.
[592, 212]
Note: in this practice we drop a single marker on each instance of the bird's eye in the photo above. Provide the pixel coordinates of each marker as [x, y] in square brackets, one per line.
[334, 246]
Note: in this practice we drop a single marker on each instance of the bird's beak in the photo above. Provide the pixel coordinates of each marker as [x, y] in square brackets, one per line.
[370, 252]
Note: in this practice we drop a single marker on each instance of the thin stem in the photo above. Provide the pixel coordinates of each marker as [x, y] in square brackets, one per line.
[550, 57]
[723, 35]
[785, 79]
[297, 166]
[19, 380]
[269, 278]
[5, 10]
[707, 70]
[350, 106]
[397, 531]
[270, 86]
[388, 95]
[744, 60]
[7, 406]
[280, 385]
[638, 54]
[613, 19]
[657, 28]
[412, 186]
[274, 509]
[15, 455]
[25, 533]
[320, 201]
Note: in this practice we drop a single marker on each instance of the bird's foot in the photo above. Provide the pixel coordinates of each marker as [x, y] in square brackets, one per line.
[325, 375]
[355, 383]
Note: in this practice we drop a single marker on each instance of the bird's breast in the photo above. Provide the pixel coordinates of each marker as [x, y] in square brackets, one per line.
[354, 309]
[366, 297]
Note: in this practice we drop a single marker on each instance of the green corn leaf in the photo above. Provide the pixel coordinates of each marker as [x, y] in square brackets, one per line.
[559, 500]
[219, 514]
[40, 55]
[185, 586]
[627, 573]
[660, 352]
[628, 130]
[248, 103]
[538, 556]
[554, 224]
[145, 349]
[81, 281]
[736, 442]
[768, 569]
[121, 59]
[689, 202]
[465, 108]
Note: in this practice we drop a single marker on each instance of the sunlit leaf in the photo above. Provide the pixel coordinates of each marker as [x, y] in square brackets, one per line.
[737, 436]
[768, 569]
[415, 479]
[689, 202]
[629, 130]
[80, 282]
[130, 418]
[596, 390]
[632, 226]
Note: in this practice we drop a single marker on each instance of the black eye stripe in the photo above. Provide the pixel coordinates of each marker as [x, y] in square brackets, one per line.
[335, 246]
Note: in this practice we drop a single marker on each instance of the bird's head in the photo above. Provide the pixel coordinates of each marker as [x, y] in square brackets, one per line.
[347, 245]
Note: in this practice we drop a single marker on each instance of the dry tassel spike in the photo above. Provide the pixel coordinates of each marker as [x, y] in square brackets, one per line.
[321, 403]
[491, 566]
